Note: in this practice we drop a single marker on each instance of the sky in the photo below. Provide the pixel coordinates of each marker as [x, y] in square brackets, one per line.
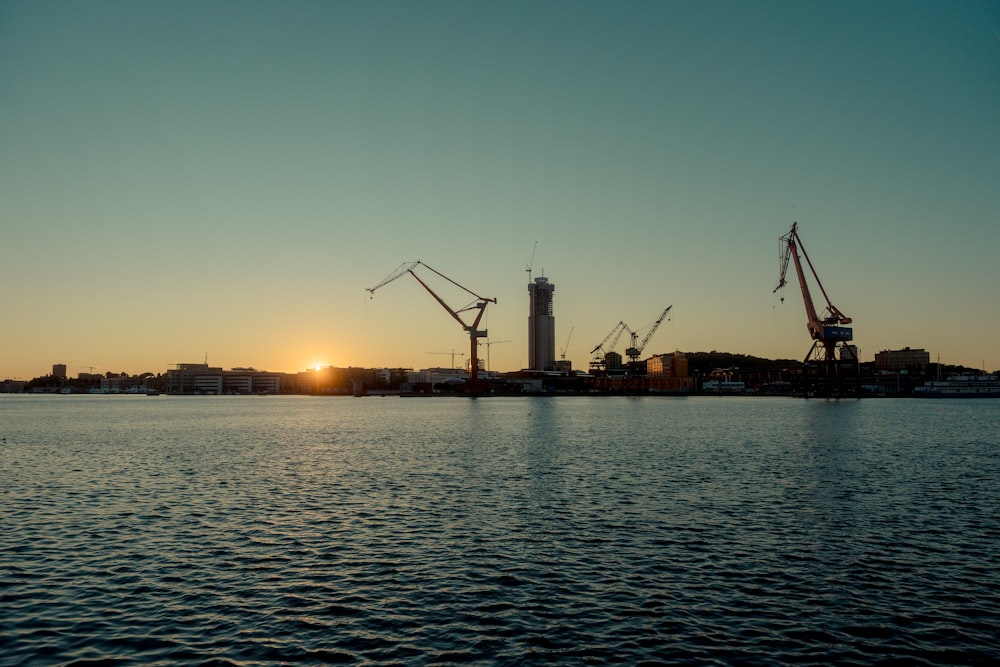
[189, 180]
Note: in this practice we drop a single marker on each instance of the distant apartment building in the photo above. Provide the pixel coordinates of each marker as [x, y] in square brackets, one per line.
[669, 372]
[541, 326]
[902, 360]
[334, 380]
[205, 379]
[613, 363]
[251, 381]
[12, 386]
[562, 365]
[59, 371]
[667, 365]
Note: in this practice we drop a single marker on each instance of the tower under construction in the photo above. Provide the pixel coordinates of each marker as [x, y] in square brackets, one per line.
[541, 325]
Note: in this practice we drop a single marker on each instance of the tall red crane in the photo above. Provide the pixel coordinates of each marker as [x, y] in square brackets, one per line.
[827, 331]
[479, 306]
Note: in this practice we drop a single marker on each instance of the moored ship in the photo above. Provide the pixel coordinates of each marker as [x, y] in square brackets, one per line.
[961, 386]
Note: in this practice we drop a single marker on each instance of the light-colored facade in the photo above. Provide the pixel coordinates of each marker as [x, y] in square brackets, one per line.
[439, 375]
[541, 325]
[205, 379]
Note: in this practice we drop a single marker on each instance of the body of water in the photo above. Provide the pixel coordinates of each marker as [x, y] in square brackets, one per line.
[499, 531]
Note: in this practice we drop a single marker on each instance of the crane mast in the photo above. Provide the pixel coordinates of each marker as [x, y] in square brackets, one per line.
[829, 330]
[478, 306]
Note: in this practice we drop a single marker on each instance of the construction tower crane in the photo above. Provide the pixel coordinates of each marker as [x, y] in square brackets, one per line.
[634, 351]
[479, 305]
[827, 331]
[490, 343]
[531, 262]
[453, 354]
[562, 355]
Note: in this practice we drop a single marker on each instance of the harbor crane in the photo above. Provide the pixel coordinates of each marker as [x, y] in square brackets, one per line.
[635, 348]
[478, 306]
[634, 351]
[602, 349]
[827, 331]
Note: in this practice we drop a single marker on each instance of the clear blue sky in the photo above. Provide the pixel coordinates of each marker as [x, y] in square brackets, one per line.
[225, 178]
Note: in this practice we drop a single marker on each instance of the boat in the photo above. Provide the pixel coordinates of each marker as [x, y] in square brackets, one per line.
[961, 386]
[723, 387]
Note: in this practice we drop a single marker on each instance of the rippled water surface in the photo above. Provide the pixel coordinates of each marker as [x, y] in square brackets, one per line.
[376, 531]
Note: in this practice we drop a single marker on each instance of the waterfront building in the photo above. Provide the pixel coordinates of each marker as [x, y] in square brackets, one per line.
[902, 360]
[250, 381]
[332, 380]
[205, 379]
[667, 365]
[12, 386]
[194, 379]
[59, 371]
[436, 375]
[613, 362]
[562, 365]
[541, 325]
[112, 385]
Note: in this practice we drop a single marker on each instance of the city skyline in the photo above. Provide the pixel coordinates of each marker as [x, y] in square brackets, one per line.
[226, 179]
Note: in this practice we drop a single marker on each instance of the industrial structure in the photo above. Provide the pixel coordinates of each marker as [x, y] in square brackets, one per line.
[478, 306]
[606, 359]
[562, 364]
[634, 350]
[541, 325]
[829, 332]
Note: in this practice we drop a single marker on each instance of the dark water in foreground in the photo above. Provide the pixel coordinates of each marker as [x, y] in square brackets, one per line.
[294, 530]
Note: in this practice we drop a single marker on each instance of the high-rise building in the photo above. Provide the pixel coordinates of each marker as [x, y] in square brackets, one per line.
[59, 370]
[541, 326]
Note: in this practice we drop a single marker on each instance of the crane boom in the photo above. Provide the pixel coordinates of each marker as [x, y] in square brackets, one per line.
[531, 262]
[405, 267]
[479, 305]
[642, 346]
[568, 339]
[606, 346]
[634, 351]
[613, 336]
